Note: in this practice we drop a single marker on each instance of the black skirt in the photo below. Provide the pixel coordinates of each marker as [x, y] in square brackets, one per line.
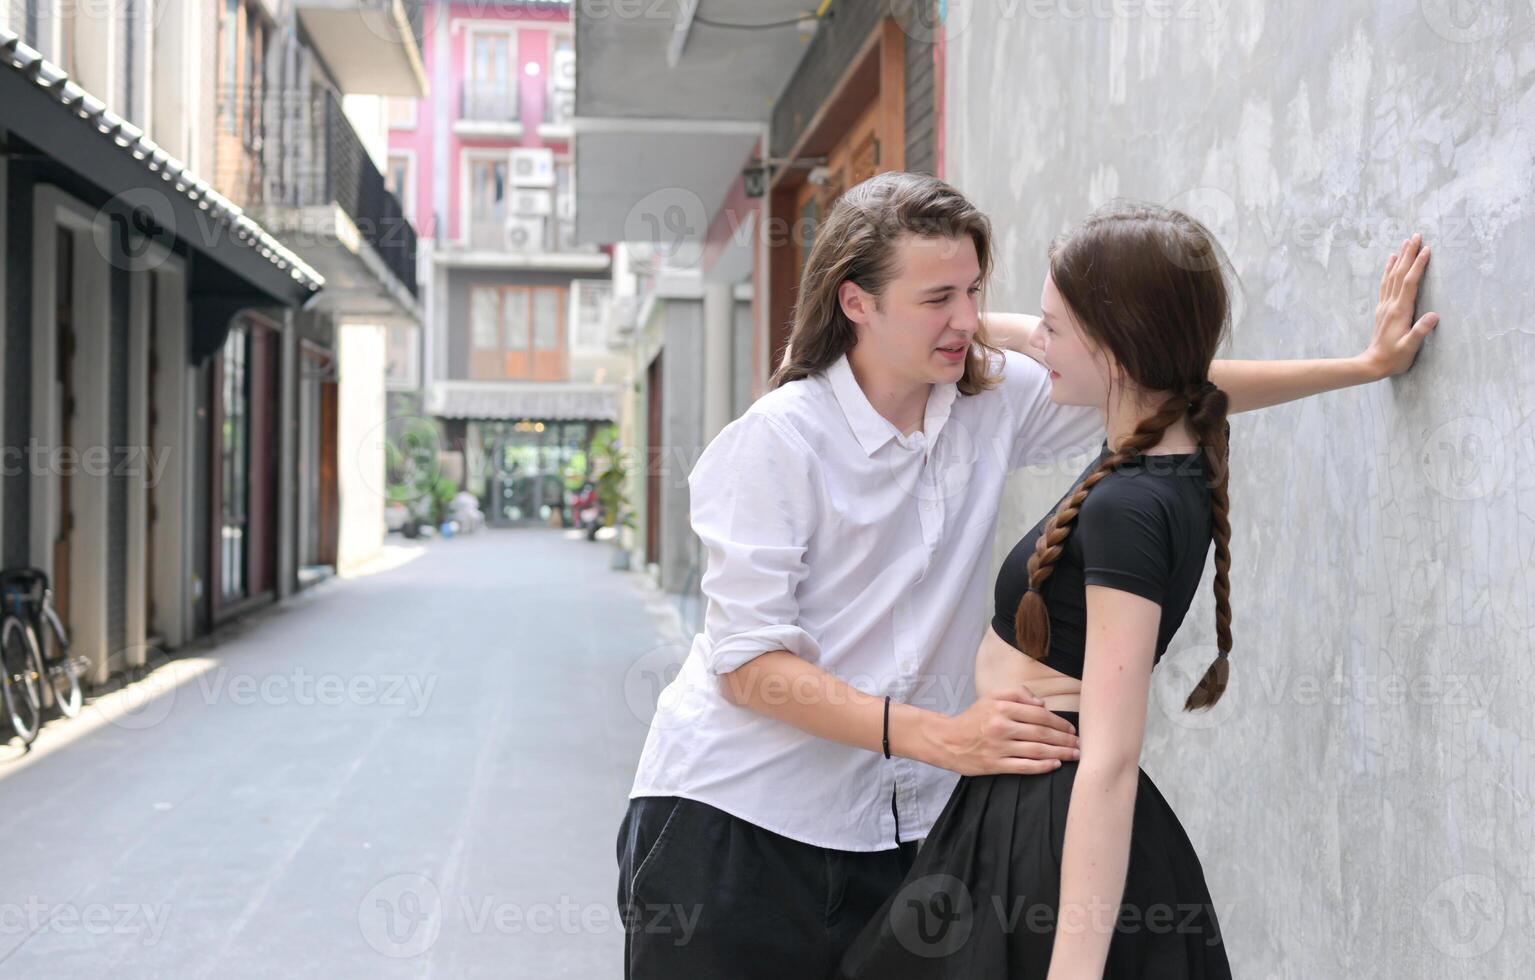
[980, 902]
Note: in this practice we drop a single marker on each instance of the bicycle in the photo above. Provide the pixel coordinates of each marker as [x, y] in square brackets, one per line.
[32, 626]
[20, 679]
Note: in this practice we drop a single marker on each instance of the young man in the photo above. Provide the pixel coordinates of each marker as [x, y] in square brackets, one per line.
[823, 715]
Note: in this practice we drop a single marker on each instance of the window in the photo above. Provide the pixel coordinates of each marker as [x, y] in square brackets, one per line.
[530, 342]
[234, 463]
[243, 36]
[560, 104]
[487, 202]
[482, 318]
[490, 91]
[514, 318]
[402, 112]
[546, 320]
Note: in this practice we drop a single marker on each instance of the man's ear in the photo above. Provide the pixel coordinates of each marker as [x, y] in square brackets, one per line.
[857, 305]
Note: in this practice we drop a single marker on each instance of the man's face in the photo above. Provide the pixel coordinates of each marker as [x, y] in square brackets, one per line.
[921, 328]
[1079, 375]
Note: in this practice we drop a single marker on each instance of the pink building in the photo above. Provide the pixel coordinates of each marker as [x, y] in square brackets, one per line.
[512, 356]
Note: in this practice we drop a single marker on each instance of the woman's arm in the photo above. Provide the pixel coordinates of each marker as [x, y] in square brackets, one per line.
[1393, 345]
[1116, 679]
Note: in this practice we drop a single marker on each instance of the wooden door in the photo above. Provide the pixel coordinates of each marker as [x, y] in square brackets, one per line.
[64, 319]
[264, 437]
[854, 159]
[654, 458]
[329, 505]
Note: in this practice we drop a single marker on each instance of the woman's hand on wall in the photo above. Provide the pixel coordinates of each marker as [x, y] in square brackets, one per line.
[1396, 341]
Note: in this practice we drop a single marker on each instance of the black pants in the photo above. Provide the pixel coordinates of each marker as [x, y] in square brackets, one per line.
[705, 895]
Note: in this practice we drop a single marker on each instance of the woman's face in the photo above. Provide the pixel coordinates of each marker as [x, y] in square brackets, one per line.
[1079, 374]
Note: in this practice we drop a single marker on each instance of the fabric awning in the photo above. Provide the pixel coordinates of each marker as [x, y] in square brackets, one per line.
[510, 400]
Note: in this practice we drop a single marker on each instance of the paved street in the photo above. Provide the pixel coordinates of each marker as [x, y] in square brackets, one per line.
[418, 772]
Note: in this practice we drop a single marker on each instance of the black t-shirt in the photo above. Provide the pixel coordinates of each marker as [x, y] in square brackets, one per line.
[1145, 528]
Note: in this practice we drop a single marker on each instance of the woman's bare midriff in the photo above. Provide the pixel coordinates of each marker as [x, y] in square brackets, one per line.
[1000, 665]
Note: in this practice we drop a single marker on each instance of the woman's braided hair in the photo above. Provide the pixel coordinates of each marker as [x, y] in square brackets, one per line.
[1145, 284]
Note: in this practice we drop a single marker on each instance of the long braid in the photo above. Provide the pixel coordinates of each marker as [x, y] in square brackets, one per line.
[1207, 416]
[1206, 406]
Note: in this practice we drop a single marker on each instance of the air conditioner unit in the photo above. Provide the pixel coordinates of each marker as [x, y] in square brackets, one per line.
[525, 234]
[562, 74]
[531, 202]
[562, 107]
[532, 167]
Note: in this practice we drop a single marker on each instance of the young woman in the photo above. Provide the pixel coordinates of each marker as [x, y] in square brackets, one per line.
[1084, 871]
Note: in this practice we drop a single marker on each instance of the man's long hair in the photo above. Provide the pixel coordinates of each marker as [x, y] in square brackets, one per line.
[857, 243]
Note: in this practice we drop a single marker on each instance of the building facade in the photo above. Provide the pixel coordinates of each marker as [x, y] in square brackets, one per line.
[513, 360]
[171, 350]
[297, 131]
[717, 180]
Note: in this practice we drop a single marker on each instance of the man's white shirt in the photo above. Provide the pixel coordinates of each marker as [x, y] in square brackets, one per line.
[831, 535]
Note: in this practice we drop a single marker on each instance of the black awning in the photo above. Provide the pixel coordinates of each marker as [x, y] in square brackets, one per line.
[157, 196]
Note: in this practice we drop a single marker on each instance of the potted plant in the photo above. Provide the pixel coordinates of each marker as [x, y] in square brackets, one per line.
[612, 489]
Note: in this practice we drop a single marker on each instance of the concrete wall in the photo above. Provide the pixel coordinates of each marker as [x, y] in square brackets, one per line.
[1362, 796]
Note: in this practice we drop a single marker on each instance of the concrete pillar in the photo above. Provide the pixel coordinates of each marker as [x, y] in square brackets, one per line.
[361, 350]
[719, 344]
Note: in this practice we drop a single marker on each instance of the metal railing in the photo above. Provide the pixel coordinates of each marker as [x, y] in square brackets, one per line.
[483, 101]
[302, 152]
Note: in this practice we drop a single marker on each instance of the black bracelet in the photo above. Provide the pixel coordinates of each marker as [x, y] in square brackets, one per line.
[887, 726]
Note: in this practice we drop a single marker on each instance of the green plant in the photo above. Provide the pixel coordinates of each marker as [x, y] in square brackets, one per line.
[613, 478]
[443, 491]
[412, 468]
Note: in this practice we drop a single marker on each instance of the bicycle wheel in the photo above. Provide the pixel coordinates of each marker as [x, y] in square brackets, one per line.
[20, 688]
[63, 671]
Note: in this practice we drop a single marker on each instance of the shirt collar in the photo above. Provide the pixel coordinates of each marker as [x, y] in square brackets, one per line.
[872, 429]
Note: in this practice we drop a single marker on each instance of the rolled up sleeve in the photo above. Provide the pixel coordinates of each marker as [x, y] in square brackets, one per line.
[753, 505]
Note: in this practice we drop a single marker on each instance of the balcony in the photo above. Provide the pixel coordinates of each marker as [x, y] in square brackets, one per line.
[372, 47]
[322, 196]
[493, 239]
[488, 109]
